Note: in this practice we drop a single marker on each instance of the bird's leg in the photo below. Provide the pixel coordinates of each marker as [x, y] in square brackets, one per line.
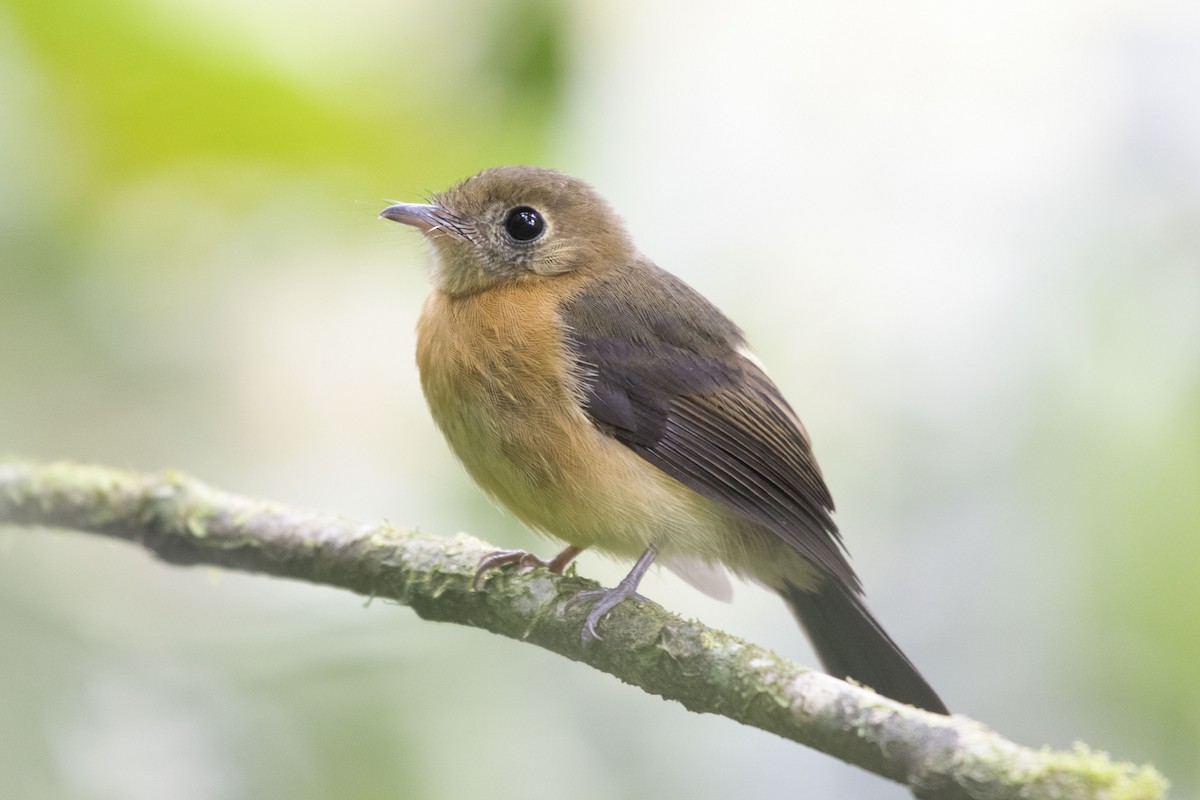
[523, 560]
[608, 599]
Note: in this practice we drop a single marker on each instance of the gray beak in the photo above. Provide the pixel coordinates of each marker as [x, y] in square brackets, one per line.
[419, 215]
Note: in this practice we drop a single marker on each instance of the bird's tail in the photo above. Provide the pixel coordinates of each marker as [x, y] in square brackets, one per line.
[852, 644]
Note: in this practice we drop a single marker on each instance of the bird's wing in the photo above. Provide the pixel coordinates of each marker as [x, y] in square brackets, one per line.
[703, 413]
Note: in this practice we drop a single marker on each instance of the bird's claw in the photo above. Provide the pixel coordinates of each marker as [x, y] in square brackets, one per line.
[523, 560]
[605, 601]
[506, 558]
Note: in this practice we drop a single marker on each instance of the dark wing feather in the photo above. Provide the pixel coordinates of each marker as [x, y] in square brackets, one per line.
[662, 375]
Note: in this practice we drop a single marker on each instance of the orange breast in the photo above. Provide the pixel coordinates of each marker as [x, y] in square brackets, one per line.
[495, 373]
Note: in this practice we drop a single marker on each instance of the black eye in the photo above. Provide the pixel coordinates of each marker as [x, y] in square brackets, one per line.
[524, 224]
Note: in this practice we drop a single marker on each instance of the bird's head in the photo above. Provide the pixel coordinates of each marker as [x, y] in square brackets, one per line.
[512, 224]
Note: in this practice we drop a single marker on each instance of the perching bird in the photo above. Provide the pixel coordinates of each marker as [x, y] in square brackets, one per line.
[609, 405]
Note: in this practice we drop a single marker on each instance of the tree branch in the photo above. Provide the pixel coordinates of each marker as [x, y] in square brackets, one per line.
[185, 522]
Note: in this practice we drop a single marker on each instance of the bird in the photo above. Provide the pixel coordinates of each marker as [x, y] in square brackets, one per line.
[607, 404]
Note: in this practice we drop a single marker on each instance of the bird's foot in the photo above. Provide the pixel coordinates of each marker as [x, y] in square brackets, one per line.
[608, 599]
[523, 560]
[605, 601]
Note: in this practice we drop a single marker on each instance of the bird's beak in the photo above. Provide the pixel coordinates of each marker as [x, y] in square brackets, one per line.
[419, 215]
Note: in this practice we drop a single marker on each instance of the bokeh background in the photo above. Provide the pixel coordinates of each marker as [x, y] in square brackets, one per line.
[965, 239]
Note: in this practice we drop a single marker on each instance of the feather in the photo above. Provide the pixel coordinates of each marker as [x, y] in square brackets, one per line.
[669, 381]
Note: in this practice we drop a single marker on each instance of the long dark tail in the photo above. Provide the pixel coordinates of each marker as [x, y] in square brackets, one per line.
[852, 644]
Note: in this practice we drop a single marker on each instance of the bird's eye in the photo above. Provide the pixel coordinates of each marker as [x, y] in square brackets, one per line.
[524, 224]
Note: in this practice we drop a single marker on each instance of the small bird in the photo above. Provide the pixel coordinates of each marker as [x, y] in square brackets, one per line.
[607, 404]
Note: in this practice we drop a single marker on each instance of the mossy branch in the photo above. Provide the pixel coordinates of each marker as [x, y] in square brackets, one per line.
[185, 522]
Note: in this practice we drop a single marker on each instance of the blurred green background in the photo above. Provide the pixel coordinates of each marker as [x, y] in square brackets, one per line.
[965, 239]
